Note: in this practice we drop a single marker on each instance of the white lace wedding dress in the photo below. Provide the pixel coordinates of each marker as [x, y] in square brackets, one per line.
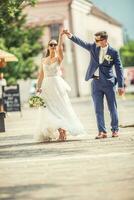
[58, 112]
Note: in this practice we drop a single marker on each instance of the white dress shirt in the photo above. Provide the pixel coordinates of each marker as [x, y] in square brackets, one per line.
[102, 54]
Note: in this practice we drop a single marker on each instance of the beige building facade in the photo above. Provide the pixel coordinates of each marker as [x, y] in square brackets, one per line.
[83, 19]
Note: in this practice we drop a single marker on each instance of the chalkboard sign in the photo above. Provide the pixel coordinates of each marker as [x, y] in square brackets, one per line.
[11, 98]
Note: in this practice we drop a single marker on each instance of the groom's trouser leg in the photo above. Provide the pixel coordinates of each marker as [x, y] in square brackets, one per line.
[112, 105]
[98, 96]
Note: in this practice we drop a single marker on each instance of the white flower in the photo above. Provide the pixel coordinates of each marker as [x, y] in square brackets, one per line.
[108, 58]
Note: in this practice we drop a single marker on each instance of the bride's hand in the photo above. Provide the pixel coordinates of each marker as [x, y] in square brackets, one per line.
[38, 90]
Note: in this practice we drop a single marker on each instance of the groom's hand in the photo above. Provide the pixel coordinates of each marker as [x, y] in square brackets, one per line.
[121, 91]
[66, 32]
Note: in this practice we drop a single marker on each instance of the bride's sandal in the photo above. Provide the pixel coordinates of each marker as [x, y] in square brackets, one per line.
[60, 139]
[62, 135]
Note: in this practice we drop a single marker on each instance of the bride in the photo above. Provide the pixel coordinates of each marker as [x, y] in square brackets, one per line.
[58, 117]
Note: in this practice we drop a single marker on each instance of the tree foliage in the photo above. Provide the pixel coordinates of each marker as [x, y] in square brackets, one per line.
[17, 38]
[127, 54]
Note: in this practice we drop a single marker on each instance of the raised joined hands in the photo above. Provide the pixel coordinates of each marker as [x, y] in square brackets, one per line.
[66, 32]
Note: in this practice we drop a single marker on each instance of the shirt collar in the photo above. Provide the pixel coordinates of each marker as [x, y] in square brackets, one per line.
[104, 48]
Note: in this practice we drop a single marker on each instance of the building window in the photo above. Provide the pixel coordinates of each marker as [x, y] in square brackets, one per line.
[54, 31]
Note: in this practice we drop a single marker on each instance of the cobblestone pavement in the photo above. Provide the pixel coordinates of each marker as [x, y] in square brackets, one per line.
[79, 169]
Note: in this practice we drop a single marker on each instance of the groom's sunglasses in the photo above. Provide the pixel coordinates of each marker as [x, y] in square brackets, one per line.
[99, 40]
[53, 44]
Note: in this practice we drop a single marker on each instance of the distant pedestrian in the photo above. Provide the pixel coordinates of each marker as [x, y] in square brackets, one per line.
[2, 83]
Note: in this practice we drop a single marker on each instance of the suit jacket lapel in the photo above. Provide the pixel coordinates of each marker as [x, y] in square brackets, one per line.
[108, 50]
[97, 53]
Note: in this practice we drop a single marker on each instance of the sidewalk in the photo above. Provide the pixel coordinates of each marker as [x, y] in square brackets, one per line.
[79, 169]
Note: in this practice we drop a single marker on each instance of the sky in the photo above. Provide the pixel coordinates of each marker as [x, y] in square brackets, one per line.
[121, 10]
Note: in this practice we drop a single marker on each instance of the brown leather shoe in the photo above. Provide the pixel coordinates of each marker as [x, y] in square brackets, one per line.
[115, 134]
[101, 135]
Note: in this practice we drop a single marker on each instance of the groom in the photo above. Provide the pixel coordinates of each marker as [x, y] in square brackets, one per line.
[103, 58]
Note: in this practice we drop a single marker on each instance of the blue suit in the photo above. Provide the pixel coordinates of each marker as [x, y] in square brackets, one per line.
[106, 83]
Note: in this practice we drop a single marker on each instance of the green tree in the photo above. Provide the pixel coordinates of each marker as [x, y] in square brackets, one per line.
[127, 54]
[17, 38]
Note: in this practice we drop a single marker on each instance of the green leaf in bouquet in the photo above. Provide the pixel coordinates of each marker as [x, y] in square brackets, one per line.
[36, 101]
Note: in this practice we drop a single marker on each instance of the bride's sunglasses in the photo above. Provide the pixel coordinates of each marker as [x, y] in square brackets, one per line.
[52, 44]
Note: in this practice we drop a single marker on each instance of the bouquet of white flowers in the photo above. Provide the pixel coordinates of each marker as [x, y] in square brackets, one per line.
[36, 101]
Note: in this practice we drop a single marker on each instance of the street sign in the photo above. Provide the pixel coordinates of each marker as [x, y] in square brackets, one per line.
[11, 98]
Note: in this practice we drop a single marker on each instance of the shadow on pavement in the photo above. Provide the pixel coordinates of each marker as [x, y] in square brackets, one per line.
[40, 152]
[34, 143]
[21, 192]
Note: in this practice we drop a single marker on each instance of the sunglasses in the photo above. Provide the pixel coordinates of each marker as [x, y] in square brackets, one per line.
[52, 44]
[99, 40]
